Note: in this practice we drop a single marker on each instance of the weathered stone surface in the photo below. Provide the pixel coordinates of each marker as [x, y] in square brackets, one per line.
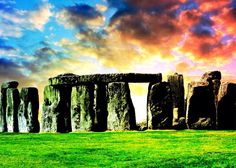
[179, 124]
[204, 122]
[28, 111]
[177, 91]
[226, 115]
[100, 107]
[200, 106]
[86, 97]
[50, 109]
[56, 109]
[75, 80]
[83, 112]
[75, 109]
[3, 121]
[121, 114]
[160, 106]
[213, 78]
[209, 76]
[13, 101]
[3, 108]
[9, 84]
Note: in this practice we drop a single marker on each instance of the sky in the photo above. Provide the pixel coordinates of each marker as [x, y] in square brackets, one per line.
[43, 38]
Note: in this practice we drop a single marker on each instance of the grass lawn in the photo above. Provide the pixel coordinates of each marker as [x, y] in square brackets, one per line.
[189, 148]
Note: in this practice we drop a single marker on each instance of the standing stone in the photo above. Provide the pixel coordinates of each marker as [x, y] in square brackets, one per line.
[100, 107]
[121, 114]
[82, 112]
[160, 106]
[226, 116]
[13, 101]
[3, 110]
[75, 109]
[28, 111]
[214, 80]
[201, 110]
[3, 117]
[56, 109]
[50, 109]
[86, 100]
[177, 91]
[210, 76]
[64, 119]
[9, 84]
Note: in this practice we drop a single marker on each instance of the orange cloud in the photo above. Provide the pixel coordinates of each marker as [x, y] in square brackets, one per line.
[208, 49]
[144, 4]
[226, 21]
[158, 36]
[211, 5]
[183, 67]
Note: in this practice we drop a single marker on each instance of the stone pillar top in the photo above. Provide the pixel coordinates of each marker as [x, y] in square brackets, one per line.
[212, 75]
[9, 84]
[72, 79]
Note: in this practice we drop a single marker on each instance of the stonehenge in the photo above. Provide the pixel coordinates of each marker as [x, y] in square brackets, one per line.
[176, 82]
[19, 111]
[121, 114]
[226, 116]
[28, 110]
[202, 101]
[102, 102]
[160, 106]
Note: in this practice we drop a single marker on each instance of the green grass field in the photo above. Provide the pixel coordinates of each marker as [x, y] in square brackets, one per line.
[120, 149]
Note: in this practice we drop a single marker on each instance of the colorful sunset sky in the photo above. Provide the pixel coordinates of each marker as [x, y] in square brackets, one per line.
[43, 38]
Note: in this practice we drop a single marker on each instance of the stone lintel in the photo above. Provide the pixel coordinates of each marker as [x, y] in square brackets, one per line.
[72, 79]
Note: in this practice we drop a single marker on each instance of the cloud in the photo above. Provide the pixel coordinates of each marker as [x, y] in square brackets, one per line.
[43, 58]
[41, 16]
[101, 8]
[15, 21]
[183, 67]
[10, 70]
[154, 4]
[81, 17]
[10, 30]
[5, 47]
[210, 6]
[134, 34]
[210, 38]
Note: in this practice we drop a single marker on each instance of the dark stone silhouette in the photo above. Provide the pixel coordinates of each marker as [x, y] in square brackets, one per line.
[214, 80]
[226, 115]
[180, 123]
[202, 101]
[209, 76]
[160, 106]
[177, 91]
[121, 114]
[3, 107]
[13, 101]
[28, 111]
[10, 84]
[201, 110]
[56, 109]
[100, 107]
[75, 80]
